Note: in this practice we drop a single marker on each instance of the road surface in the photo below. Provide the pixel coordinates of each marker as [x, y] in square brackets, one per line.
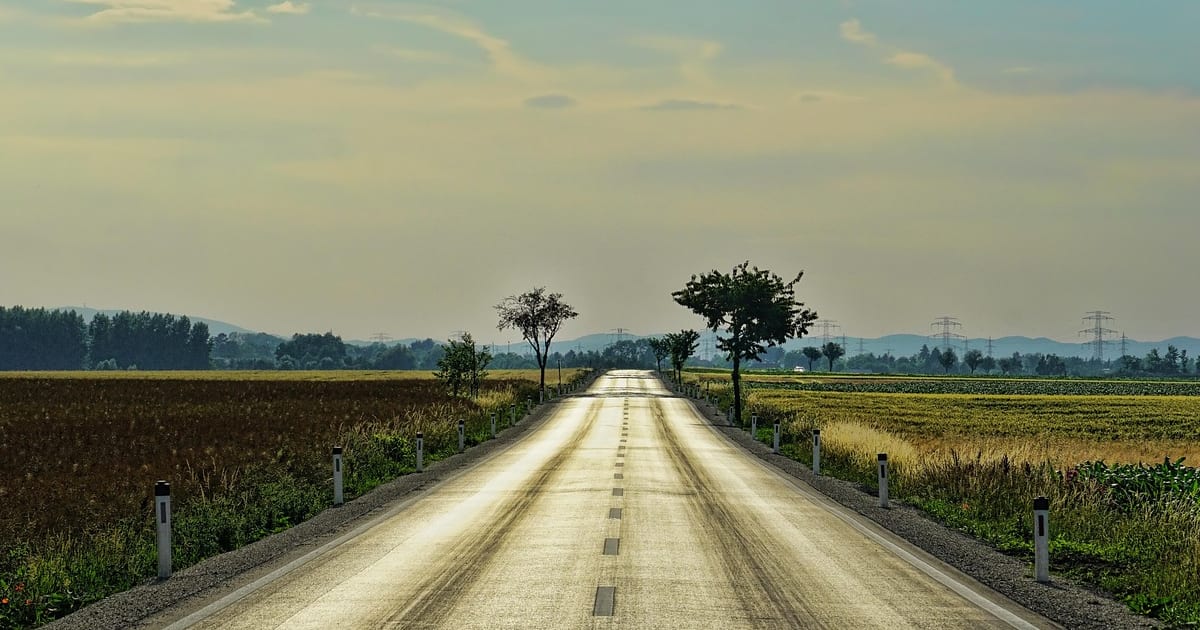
[624, 508]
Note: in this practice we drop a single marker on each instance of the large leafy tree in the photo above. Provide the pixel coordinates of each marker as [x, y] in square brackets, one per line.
[812, 353]
[754, 308]
[661, 349]
[681, 346]
[463, 366]
[973, 359]
[832, 352]
[948, 359]
[538, 316]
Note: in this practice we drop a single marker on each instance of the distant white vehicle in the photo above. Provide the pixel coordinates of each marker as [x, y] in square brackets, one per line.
[798, 369]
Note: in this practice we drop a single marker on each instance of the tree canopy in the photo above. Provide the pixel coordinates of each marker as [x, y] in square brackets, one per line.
[538, 316]
[754, 308]
[681, 346]
[832, 352]
[463, 366]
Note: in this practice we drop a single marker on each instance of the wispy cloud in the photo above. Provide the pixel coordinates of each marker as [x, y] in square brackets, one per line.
[823, 96]
[852, 31]
[499, 51]
[918, 61]
[694, 55]
[108, 60]
[287, 7]
[551, 101]
[167, 11]
[415, 55]
[683, 105]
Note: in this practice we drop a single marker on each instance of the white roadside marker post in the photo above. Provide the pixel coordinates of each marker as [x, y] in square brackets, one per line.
[541, 396]
[1041, 539]
[512, 413]
[775, 447]
[816, 467]
[528, 405]
[883, 480]
[337, 475]
[462, 434]
[493, 425]
[162, 510]
[420, 452]
[753, 425]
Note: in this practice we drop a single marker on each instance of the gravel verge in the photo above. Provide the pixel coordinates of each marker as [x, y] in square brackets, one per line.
[222, 574]
[1064, 601]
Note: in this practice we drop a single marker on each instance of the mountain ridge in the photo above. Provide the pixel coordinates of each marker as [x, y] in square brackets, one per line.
[899, 344]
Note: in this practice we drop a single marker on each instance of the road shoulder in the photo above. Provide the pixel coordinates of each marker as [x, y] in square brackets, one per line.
[157, 603]
[1063, 601]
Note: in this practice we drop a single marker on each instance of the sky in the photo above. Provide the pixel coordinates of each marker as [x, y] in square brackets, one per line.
[368, 167]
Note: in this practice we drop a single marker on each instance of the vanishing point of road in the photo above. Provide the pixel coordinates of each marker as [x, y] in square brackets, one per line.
[624, 507]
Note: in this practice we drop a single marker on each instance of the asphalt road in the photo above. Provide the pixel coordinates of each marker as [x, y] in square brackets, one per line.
[624, 508]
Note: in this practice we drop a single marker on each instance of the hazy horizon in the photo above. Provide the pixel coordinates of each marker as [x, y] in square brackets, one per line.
[390, 167]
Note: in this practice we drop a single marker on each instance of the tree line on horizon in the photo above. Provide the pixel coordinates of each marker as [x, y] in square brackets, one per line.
[41, 339]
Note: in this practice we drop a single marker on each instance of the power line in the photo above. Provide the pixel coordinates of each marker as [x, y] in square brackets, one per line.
[948, 336]
[1098, 332]
[827, 327]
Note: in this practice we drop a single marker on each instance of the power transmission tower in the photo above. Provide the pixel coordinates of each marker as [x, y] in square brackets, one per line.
[1124, 341]
[844, 346]
[827, 327]
[381, 337]
[1098, 332]
[947, 335]
[860, 346]
[989, 346]
[620, 333]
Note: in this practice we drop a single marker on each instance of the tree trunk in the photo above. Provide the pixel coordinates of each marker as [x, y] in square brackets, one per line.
[737, 389]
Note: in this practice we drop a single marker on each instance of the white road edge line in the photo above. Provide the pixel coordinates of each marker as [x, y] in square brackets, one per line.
[242, 592]
[852, 519]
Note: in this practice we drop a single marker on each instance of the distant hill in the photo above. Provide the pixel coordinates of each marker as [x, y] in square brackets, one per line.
[907, 345]
[215, 327]
[898, 344]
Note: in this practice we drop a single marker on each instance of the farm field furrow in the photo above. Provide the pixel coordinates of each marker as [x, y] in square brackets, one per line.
[1118, 468]
[247, 454]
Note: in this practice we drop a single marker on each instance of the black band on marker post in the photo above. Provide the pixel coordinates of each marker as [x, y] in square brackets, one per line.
[1041, 503]
[162, 489]
[337, 450]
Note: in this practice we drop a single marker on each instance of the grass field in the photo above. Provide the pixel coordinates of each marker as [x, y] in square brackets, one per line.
[975, 461]
[569, 374]
[247, 454]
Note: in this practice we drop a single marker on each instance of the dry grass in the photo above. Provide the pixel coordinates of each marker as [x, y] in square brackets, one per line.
[569, 374]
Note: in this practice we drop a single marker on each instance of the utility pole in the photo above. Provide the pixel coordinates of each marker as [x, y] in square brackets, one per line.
[827, 327]
[947, 335]
[1098, 332]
